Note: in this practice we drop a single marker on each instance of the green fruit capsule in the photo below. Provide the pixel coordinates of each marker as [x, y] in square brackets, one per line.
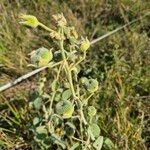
[85, 45]
[65, 108]
[91, 111]
[41, 57]
[92, 86]
[29, 20]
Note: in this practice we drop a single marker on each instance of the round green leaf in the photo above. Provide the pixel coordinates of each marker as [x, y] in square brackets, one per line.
[37, 103]
[69, 128]
[94, 131]
[66, 94]
[65, 108]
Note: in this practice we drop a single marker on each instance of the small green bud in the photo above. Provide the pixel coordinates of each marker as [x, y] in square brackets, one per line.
[90, 84]
[85, 45]
[91, 111]
[41, 57]
[29, 20]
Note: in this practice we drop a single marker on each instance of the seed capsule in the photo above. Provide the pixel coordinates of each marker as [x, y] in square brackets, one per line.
[91, 111]
[92, 86]
[29, 20]
[85, 45]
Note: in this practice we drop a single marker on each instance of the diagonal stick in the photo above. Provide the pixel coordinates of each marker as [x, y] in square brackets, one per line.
[26, 76]
[118, 29]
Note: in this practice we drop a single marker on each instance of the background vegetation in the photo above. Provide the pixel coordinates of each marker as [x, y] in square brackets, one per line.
[120, 63]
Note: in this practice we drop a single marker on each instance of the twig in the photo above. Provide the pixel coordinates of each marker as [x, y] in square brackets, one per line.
[26, 76]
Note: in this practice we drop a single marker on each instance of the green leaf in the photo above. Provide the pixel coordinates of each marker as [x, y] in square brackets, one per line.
[66, 94]
[65, 108]
[36, 120]
[84, 81]
[98, 143]
[40, 137]
[41, 129]
[2, 143]
[85, 45]
[61, 143]
[37, 103]
[109, 143]
[47, 142]
[57, 97]
[69, 128]
[94, 131]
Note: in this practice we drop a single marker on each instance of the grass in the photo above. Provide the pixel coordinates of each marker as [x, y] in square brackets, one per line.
[120, 63]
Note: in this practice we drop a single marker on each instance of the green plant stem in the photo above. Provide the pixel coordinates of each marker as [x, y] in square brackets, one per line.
[7, 130]
[81, 112]
[68, 71]
[86, 100]
[54, 93]
[78, 140]
[87, 143]
[46, 28]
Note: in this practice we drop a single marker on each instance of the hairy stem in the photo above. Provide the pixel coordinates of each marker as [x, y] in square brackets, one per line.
[74, 65]
[68, 71]
[46, 28]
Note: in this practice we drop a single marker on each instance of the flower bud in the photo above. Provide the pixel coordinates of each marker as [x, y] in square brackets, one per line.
[91, 111]
[92, 86]
[29, 20]
[85, 45]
